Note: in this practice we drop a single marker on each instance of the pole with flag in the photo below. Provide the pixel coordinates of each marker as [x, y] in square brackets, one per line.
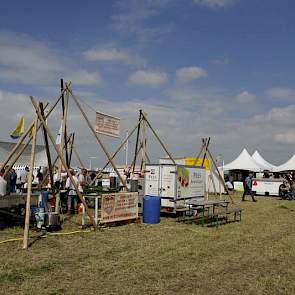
[19, 129]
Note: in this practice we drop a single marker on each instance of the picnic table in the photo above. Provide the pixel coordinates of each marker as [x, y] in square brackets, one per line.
[206, 205]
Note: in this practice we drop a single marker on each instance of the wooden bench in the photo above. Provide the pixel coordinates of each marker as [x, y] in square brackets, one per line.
[183, 210]
[237, 212]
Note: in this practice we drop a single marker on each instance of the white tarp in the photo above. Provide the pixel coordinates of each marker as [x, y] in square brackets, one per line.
[288, 166]
[244, 162]
[260, 160]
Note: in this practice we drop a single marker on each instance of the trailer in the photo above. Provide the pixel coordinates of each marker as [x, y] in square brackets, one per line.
[174, 182]
[266, 186]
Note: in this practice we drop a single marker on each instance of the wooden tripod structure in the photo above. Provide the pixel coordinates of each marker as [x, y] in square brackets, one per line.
[207, 154]
[63, 157]
[61, 149]
[140, 145]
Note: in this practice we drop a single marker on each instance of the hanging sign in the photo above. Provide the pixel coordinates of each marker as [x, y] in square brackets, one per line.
[119, 206]
[107, 125]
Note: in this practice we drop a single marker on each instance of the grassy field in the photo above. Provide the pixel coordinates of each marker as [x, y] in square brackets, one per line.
[256, 256]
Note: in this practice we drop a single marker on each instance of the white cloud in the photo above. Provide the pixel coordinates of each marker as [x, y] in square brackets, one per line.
[132, 19]
[13, 105]
[285, 137]
[189, 123]
[246, 97]
[28, 61]
[214, 3]
[141, 77]
[114, 54]
[84, 78]
[281, 93]
[187, 74]
[219, 61]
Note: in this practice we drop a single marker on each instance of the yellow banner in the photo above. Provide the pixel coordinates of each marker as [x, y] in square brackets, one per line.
[191, 161]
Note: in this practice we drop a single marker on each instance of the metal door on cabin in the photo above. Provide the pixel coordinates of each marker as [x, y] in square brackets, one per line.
[152, 180]
[168, 181]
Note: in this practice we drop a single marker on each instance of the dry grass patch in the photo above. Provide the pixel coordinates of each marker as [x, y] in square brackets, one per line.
[256, 256]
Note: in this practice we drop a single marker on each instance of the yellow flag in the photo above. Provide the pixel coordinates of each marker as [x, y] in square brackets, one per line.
[19, 129]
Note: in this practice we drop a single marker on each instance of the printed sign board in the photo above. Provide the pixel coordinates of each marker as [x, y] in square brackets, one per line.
[119, 206]
[190, 182]
[107, 125]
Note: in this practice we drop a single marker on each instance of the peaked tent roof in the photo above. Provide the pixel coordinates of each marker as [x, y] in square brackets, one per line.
[289, 165]
[245, 162]
[260, 160]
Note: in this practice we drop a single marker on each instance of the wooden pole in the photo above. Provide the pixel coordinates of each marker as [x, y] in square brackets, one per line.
[29, 187]
[137, 139]
[158, 138]
[199, 154]
[138, 150]
[143, 150]
[71, 149]
[97, 138]
[220, 177]
[116, 152]
[53, 164]
[207, 140]
[66, 107]
[78, 157]
[47, 151]
[29, 140]
[63, 161]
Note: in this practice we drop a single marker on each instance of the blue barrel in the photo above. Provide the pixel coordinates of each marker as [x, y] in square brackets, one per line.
[151, 209]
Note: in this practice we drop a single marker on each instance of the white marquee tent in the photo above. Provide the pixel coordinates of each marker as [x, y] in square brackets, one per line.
[289, 165]
[245, 162]
[260, 160]
[24, 159]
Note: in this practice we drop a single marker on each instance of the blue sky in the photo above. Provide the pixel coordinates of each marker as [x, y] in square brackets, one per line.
[219, 68]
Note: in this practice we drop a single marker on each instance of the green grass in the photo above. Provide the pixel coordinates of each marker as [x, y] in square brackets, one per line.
[256, 256]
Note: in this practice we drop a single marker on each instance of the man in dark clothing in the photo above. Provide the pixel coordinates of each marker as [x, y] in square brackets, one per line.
[248, 188]
[13, 177]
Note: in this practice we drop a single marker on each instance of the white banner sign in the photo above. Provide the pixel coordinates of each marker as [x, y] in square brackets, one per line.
[107, 125]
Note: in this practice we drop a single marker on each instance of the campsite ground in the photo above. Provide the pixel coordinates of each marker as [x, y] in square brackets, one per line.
[256, 256]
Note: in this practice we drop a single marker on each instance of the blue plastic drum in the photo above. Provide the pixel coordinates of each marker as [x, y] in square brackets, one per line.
[151, 209]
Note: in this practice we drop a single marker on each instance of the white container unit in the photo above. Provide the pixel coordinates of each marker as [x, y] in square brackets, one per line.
[172, 182]
[266, 186]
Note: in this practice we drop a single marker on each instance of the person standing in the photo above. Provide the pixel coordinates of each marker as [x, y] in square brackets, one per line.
[23, 177]
[39, 176]
[13, 177]
[82, 180]
[248, 188]
[72, 194]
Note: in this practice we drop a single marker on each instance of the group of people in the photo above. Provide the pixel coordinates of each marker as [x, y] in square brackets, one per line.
[82, 180]
[17, 182]
[287, 188]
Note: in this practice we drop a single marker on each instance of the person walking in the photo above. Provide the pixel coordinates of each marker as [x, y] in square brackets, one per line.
[248, 188]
